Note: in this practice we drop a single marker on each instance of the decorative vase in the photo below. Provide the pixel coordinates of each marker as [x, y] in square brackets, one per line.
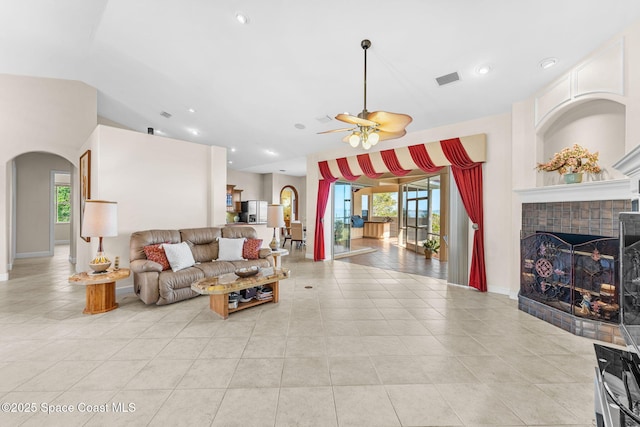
[572, 178]
[428, 253]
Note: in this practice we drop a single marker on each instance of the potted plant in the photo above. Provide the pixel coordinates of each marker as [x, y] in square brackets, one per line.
[572, 163]
[430, 246]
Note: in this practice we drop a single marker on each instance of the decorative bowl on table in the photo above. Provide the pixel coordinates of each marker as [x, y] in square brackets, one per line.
[247, 271]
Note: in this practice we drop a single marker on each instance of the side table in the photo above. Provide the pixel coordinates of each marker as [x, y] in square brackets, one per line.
[276, 256]
[101, 289]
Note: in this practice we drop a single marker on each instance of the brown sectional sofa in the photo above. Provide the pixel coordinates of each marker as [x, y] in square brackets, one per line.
[154, 286]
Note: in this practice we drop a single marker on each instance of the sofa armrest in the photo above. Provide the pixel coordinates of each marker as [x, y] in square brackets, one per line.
[264, 253]
[144, 266]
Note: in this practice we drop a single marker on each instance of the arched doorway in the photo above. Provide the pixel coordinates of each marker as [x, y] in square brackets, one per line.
[289, 201]
[40, 220]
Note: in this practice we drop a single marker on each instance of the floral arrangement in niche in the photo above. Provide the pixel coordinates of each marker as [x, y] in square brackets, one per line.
[576, 159]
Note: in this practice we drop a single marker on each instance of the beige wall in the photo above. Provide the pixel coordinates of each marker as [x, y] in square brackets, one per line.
[45, 115]
[159, 183]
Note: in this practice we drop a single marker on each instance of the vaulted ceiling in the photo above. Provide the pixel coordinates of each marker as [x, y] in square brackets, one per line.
[265, 88]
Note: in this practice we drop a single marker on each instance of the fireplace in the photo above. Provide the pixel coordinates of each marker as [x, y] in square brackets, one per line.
[569, 260]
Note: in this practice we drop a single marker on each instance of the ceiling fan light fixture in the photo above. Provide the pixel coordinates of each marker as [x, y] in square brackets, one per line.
[354, 140]
[373, 138]
[366, 144]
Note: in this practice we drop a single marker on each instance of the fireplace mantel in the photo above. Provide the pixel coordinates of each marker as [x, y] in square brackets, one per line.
[615, 189]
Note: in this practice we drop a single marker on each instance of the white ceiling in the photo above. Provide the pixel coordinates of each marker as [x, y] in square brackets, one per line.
[296, 61]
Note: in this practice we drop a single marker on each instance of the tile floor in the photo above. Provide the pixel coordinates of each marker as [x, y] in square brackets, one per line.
[363, 347]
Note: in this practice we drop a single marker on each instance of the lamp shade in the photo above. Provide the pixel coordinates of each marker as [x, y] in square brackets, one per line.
[275, 216]
[100, 218]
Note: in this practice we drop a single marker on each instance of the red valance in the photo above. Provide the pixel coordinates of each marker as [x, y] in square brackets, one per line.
[422, 159]
[345, 170]
[391, 161]
[326, 172]
[367, 168]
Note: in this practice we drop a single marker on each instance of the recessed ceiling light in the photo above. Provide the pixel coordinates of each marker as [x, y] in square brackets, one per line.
[282, 170]
[230, 161]
[299, 126]
[194, 132]
[192, 110]
[271, 152]
[242, 18]
[548, 62]
[233, 150]
[483, 69]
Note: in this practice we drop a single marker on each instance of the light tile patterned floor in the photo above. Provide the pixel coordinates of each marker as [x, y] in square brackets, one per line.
[363, 347]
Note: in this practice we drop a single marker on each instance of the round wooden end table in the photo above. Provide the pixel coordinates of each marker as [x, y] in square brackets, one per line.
[101, 289]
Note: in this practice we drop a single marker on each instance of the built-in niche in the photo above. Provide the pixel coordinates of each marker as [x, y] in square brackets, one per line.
[598, 125]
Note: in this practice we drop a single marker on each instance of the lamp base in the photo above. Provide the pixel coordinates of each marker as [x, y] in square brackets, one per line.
[100, 263]
[274, 244]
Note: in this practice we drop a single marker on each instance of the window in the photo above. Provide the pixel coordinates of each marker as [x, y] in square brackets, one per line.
[63, 203]
[385, 204]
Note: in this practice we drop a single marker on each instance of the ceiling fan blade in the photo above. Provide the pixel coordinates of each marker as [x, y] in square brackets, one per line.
[390, 122]
[385, 136]
[337, 130]
[355, 120]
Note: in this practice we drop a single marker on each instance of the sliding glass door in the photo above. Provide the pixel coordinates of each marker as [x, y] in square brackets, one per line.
[421, 216]
[341, 217]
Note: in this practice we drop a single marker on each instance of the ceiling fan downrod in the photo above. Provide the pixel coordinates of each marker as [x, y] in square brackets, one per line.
[365, 44]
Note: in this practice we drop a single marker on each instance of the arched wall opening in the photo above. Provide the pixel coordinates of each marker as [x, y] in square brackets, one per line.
[597, 125]
[32, 229]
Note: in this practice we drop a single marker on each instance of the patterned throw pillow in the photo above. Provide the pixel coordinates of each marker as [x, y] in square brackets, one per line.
[251, 248]
[156, 253]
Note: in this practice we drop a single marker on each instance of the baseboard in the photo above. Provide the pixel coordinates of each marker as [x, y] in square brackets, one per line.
[61, 242]
[72, 260]
[124, 290]
[33, 254]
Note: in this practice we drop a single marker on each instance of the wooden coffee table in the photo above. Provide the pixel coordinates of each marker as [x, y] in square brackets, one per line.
[219, 288]
[101, 289]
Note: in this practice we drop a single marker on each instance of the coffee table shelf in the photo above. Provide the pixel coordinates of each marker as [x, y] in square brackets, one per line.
[219, 288]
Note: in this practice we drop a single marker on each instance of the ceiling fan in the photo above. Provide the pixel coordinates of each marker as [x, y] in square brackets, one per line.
[370, 128]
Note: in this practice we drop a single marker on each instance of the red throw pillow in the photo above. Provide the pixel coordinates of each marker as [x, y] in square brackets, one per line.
[156, 253]
[251, 248]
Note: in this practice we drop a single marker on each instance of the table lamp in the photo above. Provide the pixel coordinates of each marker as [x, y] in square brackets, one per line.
[100, 220]
[275, 219]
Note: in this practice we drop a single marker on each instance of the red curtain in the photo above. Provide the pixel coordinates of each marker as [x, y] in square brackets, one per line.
[323, 196]
[345, 169]
[365, 164]
[468, 176]
[421, 158]
[391, 161]
[325, 171]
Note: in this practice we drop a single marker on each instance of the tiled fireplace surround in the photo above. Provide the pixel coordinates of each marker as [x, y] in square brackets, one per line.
[596, 217]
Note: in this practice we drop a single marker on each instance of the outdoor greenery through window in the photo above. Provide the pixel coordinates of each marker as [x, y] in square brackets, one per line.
[385, 204]
[63, 203]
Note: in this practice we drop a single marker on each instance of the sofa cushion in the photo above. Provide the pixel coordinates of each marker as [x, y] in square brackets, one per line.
[216, 268]
[156, 253]
[140, 239]
[251, 249]
[230, 249]
[179, 256]
[176, 286]
[203, 242]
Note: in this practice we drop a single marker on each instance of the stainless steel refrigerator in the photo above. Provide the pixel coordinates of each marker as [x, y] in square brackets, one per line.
[254, 212]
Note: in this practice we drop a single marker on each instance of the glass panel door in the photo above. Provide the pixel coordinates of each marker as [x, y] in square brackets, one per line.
[421, 213]
[341, 217]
